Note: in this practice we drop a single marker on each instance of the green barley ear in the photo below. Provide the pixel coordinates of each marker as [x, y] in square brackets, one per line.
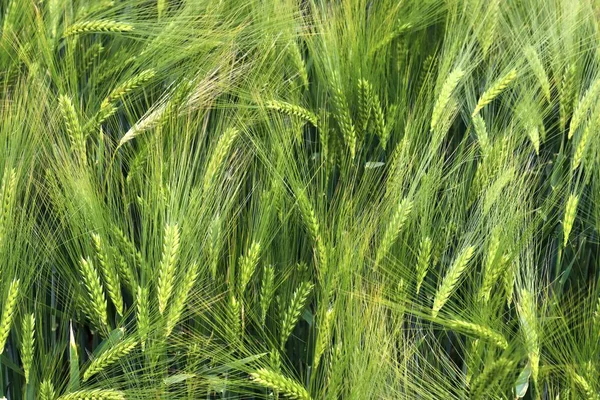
[290, 316]
[109, 357]
[234, 322]
[536, 65]
[364, 106]
[280, 383]
[586, 387]
[7, 191]
[161, 6]
[381, 130]
[311, 223]
[293, 110]
[111, 277]
[95, 292]
[482, 134]
[142, 314]
[94, 394]
[445, 94]
[451, 279]
[248, 265]
[499, 367]
[569, 217]
[267, 289]
[167, 268]
[323, 337]
[218, 157]
[27, 344]
[584, 106]
[480, 331]
[126, 87]
[8, 312]
[342, 116]
[47, 390]
[96, 27]
[566, 94]
[494, 91]
[393, 229]
[73, 128]
[582, 144]
[423, 261]
[180, 300]
[526, 308]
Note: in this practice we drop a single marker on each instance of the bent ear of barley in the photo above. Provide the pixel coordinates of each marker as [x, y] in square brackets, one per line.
[280, 383]
[423, 261]
[494, 91]
[8, 311]
[128, 86]
[444, 96]
[342, 116]
[168, 264]
[293, 110]
[109, 357]
[536, 65]
[324, 336]
[267, 289]
[479, 330]
[526, 308]
[180, 300]
[95, 291]
[569, 218]
[142, 315]
[584, 106]
[248, 265]
[451, 279]
[47, 390]
[111, 277]
[218, 156]
[393, 229]
[97, 27]
[73, 128]
[94, 394]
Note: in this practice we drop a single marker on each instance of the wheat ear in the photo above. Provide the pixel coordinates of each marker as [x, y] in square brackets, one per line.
[280, 383]
[248, 265]
[47, 390]
[293, 110]
[342, 116]
[526, 308]
[393, 228]
[94, 394]
[444, 96]
[423, 260]
[8, 312]
[73, 128]
[323, 337]
[111, 277]
[97, 26]
[128, 86]
[451, 279]
[142, 315]
[291, 314]
[569, 218]
[267, 289]
[494, 91]
[479, 331]
[27, 344]
[168, 264]
[583, 106]
[95, 291]
[109, 357]
[218, 156]
[180, 300]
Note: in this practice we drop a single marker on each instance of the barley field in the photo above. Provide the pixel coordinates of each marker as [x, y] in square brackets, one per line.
[299, 199]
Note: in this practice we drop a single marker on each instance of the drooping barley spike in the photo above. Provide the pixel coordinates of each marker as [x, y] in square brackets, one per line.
[536, 65]
[73, 128]
[109, 357]
[480, 331]
[91, 55]
[393, 229]
[482, 134]
[94, 394]
[378, 118]
[27, 344]
[293, 110]
[308, 215]
[180, 301]
[342, 116]
[111, 277]
[142, 314]
[526, 308]
[494, 264]
[586, 387]
[364, 106]
[96, 27]
[168, 266]
[8, 311]
[451, 279]
[494, 91]
[490, 24]
[280, 383]
[95, 123]
[267, 289]
[47, 390]
[566, 94]
[584, 106]
[387, 39]
[499, 367]
[323, 337]
[128, 86]
[95, 292]
[248, 265]
[423, 261]
[219, 154]
[129, 246]
[582, 144]
[444, 96]
[290, 315]
[569, 217]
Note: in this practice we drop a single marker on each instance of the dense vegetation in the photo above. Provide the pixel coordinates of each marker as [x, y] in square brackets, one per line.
[306, 199]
